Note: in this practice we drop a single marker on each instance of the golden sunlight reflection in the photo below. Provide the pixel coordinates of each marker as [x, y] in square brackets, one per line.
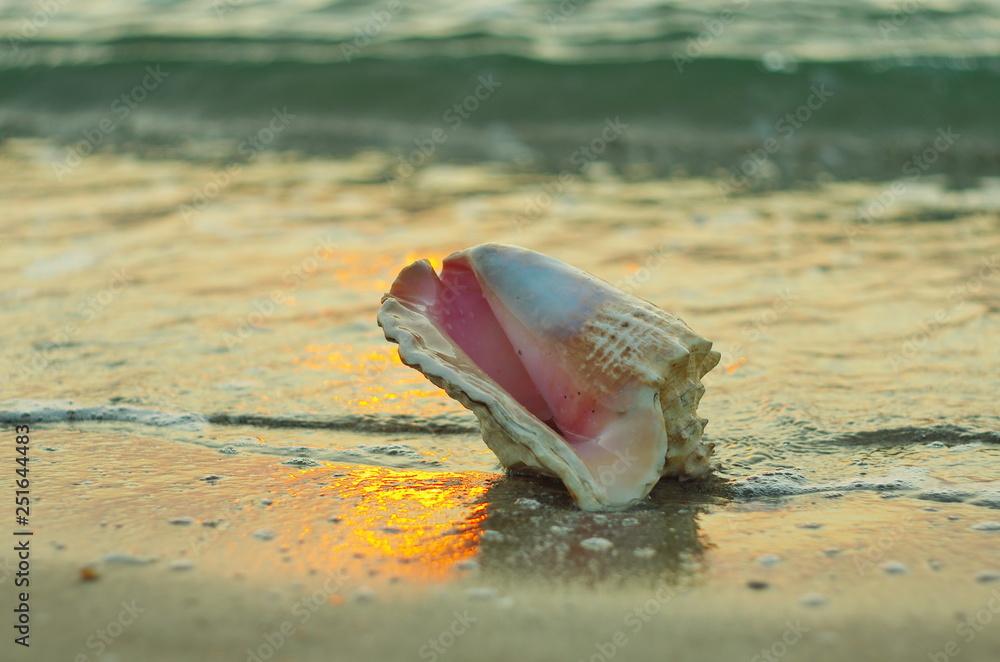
[736, 365]
[374, 272]
[374, 380]
[436, 258]
[364, 271]
[413, 524]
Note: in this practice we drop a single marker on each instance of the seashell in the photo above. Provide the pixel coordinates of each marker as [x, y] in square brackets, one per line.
[569, 376]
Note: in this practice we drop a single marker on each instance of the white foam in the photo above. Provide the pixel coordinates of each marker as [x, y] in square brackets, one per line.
[58, 411]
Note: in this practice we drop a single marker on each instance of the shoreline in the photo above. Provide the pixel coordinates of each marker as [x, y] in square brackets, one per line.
[217, 564]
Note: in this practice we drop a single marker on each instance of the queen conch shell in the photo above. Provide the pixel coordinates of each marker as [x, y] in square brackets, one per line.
[569, 376]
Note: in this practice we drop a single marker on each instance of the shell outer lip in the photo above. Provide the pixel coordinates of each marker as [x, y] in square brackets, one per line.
[495, 410]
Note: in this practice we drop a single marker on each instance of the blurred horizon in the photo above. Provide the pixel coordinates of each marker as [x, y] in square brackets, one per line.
[703, 89]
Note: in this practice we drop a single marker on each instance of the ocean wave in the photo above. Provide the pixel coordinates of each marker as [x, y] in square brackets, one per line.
[208, 105]
[901, 481]
[67, 411]
[339, 48]
[396, 423]
[786, 483]
[60, 411]
[935, 434]
[420, 452]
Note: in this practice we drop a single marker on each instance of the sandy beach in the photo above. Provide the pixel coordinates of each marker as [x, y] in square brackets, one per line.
[327, 504]
[306, 496]
[345, 562]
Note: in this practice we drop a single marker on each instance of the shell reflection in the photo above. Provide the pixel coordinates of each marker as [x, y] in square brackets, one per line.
[541, 533]
[416, 525]
[379, 524]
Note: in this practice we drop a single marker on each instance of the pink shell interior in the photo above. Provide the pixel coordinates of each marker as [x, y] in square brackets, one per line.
[520, 360]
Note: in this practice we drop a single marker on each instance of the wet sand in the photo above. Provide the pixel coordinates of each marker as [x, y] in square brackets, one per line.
[250, 439]
[352, 562]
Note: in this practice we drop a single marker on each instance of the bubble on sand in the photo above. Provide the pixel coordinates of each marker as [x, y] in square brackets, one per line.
[986, 526]
[945, 495]
[776, 61]
[363, 595]
[527, 504]
[264, 534]
[894, 568]
[769, 560]
[810, 525]
[121, 558]
[596, 544]
[757, 585]
[481, 593]
[988, 576]
[301, 462]
[182, 521]
[181, 565]
[812, 600]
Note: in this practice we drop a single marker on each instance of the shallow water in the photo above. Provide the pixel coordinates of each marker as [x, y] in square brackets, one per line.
[858, 355]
